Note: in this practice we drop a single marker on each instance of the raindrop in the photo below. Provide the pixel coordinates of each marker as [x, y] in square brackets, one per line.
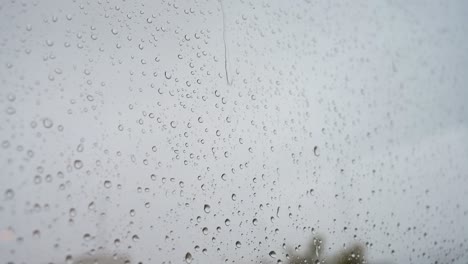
[80, 148]
[107, 184]
[47, 123]
[188, 257]
[69, 259]
[207, 208]
[255, 221]
[36, 233]
[316, 151]
[9, 194]
[72, 212]
[78, 164]
[87, 237]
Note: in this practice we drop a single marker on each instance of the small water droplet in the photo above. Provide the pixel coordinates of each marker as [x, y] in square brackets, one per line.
[72, 212]
[87, 237]
[9, 194]
[36, 233]
[316, 151]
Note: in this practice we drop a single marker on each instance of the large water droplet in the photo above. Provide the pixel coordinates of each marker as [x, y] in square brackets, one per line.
[207, 208]
[188, 257]
[78, 164]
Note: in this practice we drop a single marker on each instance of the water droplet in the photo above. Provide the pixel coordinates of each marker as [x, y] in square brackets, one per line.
[87, 237]
[80, 148]
[36, 233]
[10, 110]
[255, 221]
[107, 184]
[47, 123]
[207, 208]
[316, 151]
[72, 212]
[69, 259]
[238, 244]
[78, 164]
[188, 257]
[272, 254]
[9, 194]
[135, 238]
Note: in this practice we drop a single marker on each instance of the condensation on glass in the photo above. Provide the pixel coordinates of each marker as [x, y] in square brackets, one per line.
[233, 131]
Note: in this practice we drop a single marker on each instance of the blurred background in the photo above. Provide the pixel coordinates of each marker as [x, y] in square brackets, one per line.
[233, 131]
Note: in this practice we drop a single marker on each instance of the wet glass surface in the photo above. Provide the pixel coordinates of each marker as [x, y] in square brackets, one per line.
[233, 131]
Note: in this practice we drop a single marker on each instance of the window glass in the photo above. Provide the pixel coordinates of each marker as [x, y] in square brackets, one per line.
[233, 131]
